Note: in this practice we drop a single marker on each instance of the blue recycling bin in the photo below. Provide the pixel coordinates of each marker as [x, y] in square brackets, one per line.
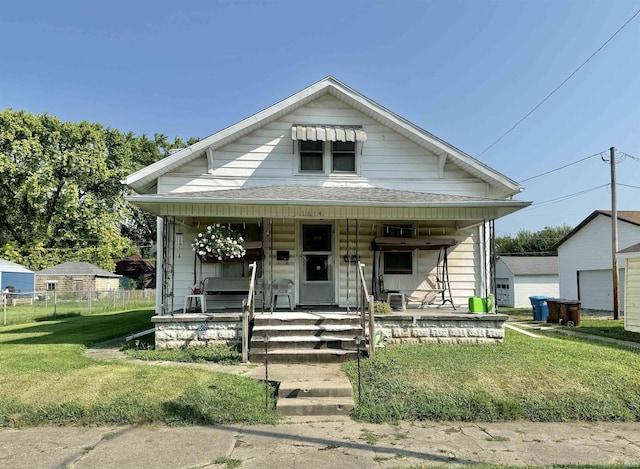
[540, 307]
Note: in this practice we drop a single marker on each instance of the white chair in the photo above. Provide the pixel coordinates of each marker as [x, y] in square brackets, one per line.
[281, 287]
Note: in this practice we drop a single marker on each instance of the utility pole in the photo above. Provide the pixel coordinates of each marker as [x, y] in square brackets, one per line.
[614, 236]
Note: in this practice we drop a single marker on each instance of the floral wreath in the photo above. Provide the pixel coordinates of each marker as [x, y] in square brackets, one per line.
[218, 242]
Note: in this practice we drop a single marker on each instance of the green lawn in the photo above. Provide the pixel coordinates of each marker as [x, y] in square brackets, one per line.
[607, 328]
[73, 304]
[550, 379]
[46, 379]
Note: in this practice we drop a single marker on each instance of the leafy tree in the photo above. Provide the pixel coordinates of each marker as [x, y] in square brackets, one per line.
[527, 243]
[61, 196]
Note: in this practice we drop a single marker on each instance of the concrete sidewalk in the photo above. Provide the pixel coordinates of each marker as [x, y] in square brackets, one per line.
[321, 443]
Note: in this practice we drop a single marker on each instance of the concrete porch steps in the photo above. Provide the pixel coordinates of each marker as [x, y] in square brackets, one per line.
[315, 397]
[299, 337]
[303, 355]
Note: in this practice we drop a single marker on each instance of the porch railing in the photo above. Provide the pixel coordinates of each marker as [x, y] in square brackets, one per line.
[248, 310]
[366, 306]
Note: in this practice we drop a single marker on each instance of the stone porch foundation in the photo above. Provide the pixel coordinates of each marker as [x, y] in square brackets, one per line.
[180, 330]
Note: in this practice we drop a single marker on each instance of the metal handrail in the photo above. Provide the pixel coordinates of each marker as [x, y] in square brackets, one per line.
[248, 311]
[366, 307]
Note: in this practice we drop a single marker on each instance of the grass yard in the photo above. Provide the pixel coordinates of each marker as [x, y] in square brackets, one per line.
[607, 328]
[46, 379]
[551, 379]
[75, 304]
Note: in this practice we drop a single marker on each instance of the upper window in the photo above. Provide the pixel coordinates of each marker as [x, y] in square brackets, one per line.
[344, 157]
[311, 155]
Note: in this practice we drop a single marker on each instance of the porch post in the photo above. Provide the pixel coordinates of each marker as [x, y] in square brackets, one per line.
[159, 265]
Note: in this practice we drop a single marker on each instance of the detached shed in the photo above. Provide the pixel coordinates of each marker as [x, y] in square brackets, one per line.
[630, 258]
[19, 280]
[519, 277]
[76, 276]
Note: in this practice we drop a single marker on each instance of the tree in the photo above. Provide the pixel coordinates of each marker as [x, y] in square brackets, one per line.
[527, 243]
[61, 195]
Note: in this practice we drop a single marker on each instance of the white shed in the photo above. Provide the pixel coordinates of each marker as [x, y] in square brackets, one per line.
[630, 258]
[584, 258]
[519, 277]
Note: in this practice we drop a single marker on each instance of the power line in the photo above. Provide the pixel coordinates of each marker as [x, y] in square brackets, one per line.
[559, 86]
[627, 185]
[627, 155]
[561, 167]
[563, 198]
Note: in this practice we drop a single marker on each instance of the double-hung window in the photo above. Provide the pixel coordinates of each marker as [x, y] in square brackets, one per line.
[343, 157]
[327, 149]
[312, 156]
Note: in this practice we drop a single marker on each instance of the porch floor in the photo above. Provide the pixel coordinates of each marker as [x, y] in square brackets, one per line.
[304, 311]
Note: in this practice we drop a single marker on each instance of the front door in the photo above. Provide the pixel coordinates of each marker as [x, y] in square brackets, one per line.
[316, 265]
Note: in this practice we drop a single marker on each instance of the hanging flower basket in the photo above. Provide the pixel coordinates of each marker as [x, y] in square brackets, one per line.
[218, 243]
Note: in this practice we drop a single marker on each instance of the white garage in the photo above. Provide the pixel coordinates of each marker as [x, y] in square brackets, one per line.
[519, 277]
[584, 259]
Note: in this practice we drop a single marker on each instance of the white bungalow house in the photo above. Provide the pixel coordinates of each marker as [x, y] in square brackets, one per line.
[317, 182]
[520, 277]
[585, 258]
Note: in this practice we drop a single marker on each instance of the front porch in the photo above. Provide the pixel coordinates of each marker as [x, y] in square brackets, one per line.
[327, 332]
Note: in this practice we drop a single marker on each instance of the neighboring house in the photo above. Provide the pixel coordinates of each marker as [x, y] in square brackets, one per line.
[314, 180]
[519, 277]
[76, 276]
[585, 259]
[629, 258]
[17, 280]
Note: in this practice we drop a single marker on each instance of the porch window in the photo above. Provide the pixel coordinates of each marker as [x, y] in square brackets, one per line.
[311, 155]
[398, 262]
[344, 157]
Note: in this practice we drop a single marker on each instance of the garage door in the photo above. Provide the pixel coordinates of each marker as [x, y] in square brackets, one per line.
[596, 289]
[503, 292]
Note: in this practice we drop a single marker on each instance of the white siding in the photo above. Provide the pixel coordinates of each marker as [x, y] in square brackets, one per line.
[534, 285]
[632, 298]
[590, 249]
[268, 156]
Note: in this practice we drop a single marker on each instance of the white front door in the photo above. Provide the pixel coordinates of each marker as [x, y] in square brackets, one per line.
[317, 281]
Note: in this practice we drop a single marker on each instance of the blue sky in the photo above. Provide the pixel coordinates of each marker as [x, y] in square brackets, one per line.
[464, 70]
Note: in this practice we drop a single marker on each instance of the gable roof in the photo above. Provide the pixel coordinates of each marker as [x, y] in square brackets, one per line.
[143, 180]
[8, 266]
[77, 269]
[630, 249]
[531, 265]
[628, 216]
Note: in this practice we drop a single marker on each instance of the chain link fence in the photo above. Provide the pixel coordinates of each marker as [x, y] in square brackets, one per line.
[20, 308]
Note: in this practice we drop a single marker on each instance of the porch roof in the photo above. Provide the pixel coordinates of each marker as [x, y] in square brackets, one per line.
[365, 203]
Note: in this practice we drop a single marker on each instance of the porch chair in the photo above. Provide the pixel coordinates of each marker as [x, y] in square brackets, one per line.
[281, 287]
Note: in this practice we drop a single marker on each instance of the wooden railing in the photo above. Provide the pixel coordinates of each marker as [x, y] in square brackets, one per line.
[366, 306]
[248, 311]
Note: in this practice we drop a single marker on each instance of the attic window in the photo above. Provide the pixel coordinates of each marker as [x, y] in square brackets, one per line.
[325, 149]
